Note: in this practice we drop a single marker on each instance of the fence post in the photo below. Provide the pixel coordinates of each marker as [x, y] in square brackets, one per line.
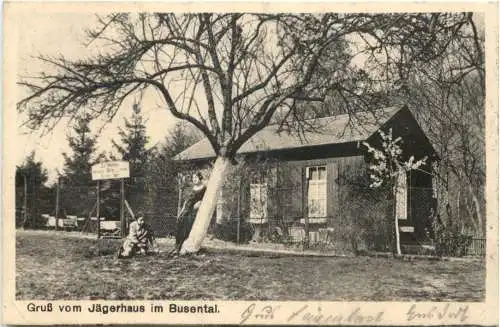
[179, 199]
[305, 186]
[25, 201]
[57, 202]
[98, 210]
[238, 212]
[122, 209]
[306, 237]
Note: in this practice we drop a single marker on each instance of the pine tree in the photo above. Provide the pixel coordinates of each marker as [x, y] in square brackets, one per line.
[181, 137]
[79, 189]
[78, 164]
[132, 148]
[31, 191]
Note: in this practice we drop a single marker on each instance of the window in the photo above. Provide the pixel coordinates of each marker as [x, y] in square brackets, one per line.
[258, 200]
[316, 191]
[402, 196]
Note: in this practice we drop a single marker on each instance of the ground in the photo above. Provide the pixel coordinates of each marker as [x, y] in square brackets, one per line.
[53, 266]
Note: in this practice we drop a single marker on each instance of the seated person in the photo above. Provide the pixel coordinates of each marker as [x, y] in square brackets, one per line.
[139, 239]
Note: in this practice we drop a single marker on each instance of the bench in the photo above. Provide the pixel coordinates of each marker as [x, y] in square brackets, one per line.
[64, 223]
[68, 223]
[110, 225]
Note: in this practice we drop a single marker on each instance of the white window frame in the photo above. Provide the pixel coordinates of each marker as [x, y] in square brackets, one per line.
[317, 188]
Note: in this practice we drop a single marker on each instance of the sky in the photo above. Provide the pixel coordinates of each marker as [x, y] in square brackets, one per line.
[63, 33]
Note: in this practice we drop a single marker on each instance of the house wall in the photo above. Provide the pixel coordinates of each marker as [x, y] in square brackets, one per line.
[287, 185]
[352, 207]
[350, 217]
[287, 191]
[293, 184]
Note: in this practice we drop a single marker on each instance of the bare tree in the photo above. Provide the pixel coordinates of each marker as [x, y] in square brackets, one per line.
[451, 94]
[228, 74]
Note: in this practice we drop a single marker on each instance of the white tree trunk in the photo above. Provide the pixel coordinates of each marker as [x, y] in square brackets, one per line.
[396, 222]
[207, 207]
[398, 242]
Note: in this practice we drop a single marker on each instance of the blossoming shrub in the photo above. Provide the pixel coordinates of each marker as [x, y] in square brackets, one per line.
[387, 166]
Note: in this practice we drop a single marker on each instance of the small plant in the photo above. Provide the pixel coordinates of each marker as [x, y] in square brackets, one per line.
[448, 241]
[227, 230]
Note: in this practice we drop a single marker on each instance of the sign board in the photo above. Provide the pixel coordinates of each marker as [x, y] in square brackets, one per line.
[110, 170]
[407, 229]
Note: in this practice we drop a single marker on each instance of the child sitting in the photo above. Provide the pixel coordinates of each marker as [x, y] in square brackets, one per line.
[139, 239]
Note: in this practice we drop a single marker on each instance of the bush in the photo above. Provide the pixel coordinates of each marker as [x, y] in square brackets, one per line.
[448, 241]
[227, 230]
[453, 245]
[365, 222]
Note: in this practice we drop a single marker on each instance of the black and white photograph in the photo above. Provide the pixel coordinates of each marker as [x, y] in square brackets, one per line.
[214, 154]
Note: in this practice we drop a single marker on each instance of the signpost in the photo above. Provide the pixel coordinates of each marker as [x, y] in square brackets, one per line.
[98, 207]
[407, 229]
[123, 223]
[112, 170]
[57, 202]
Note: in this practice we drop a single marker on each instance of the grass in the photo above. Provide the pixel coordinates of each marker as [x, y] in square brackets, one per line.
[53, 266]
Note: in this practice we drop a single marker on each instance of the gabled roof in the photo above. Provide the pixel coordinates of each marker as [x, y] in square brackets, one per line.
[329, 130]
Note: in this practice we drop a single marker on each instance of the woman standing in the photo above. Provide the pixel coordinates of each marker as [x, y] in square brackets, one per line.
[188, 212]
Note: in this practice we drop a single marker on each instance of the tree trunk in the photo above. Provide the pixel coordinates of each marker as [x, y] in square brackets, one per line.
[25, 201]
[207, 207]
[396, 222]
[57, 202]
[471, 215]
[398, 242]
[477, 207]
[458, 205]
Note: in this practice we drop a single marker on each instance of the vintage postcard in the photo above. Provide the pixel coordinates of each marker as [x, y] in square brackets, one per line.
[250, 163]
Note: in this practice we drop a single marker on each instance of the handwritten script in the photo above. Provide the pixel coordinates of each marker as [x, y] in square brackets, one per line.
[309, 314]
[317, 315]
[459, 313]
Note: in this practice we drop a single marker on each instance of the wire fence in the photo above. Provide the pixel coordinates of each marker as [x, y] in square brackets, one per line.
[477, 247]
[76, 208]
[349, 222]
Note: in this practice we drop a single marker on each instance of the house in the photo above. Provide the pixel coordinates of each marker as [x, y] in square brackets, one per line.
[313, 185]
